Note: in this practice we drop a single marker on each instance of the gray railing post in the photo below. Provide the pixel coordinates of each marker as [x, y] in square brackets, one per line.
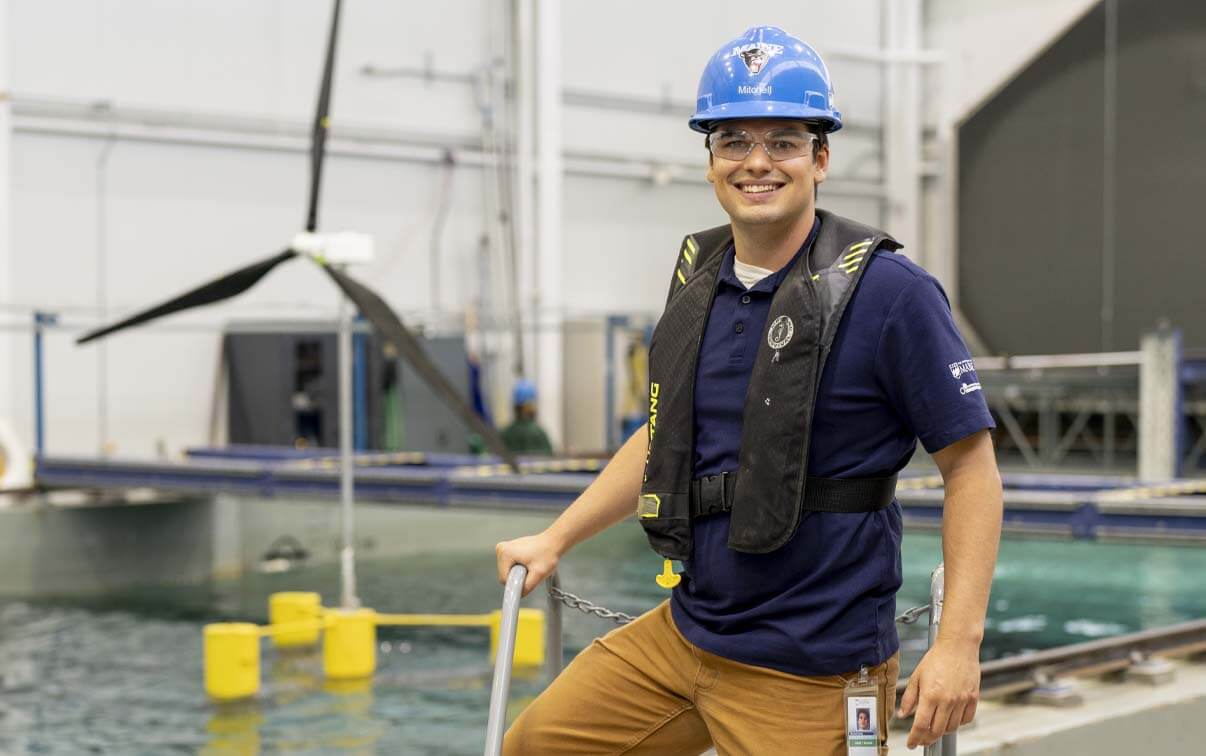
[502, 664]
[945, 746]
[554, 659]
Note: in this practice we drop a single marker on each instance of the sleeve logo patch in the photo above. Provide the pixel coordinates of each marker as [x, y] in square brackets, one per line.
[959, 369]
[967, 388]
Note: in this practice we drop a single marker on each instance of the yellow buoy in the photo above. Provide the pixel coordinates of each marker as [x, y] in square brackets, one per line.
[232, 660]
[529, 637]
[349, 644]
[290, 607]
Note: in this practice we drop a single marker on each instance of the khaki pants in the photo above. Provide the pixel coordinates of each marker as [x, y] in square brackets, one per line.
[644, 689]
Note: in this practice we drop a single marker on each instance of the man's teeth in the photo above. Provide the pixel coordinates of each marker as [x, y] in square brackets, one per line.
[756, 188]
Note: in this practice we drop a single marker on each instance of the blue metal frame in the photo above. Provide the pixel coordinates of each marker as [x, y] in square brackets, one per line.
[41, 320]
[1075, 513]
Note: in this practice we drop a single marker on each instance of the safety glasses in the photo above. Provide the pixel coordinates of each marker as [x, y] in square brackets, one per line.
[780, 144]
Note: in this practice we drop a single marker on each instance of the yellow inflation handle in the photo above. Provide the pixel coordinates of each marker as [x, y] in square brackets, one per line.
[668, 579]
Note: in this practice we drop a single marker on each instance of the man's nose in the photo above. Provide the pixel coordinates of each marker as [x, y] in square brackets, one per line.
[759, 159]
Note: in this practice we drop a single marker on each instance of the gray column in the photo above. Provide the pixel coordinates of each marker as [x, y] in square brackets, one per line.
[1160, 405]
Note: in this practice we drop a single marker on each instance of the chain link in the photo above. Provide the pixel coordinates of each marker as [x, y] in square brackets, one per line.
[586, 607]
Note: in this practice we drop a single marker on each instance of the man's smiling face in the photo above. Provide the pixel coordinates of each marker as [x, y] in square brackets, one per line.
[758, 191]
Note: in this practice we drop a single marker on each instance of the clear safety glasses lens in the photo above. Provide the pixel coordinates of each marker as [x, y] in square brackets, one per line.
[731, 144]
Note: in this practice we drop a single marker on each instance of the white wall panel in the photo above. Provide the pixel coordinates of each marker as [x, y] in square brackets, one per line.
[176, 214]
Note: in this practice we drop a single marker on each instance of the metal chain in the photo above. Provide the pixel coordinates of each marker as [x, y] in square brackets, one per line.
[914, 614]
[586, 607]
[620, 618]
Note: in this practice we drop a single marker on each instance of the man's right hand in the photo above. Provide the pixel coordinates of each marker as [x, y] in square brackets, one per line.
[537, 552]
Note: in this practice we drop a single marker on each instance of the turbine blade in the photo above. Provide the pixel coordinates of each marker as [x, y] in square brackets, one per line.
[318, 135]
[392, 331]
[230, 285]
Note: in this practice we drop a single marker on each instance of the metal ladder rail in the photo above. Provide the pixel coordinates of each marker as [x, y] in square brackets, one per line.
[502, 663]
[946, 745]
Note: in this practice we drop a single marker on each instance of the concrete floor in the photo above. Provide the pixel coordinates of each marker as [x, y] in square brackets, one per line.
[1116, 718]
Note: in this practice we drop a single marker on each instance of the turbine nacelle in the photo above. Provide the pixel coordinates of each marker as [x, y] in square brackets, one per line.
[335, 248]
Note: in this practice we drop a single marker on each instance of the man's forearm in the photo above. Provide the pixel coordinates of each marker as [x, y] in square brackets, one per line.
[608, 499]
[971, 531]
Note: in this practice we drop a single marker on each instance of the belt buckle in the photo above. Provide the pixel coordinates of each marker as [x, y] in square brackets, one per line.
[711, 493]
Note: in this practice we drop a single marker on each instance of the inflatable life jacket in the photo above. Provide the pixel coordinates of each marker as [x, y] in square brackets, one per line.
[771, 486]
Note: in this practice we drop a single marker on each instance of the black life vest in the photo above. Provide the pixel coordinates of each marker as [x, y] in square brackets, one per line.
[772, 476]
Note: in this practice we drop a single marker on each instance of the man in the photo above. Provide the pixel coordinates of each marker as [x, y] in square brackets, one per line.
[524, 435]
[797, 363]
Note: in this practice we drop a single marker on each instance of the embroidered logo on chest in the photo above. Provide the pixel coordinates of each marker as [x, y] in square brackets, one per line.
[780, 332]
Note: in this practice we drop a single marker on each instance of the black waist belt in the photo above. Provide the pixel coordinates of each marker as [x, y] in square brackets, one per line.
[713, 494]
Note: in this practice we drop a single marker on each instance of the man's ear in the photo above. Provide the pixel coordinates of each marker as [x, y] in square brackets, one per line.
[710, 175]
[821, 161]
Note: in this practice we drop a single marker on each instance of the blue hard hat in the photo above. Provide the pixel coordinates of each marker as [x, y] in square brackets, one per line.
[524, 392]
[765, 73]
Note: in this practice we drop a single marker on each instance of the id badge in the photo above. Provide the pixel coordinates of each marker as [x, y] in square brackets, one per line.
[862, 716]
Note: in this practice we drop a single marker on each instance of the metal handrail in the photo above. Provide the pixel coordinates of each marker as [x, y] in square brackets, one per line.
[502, 664]
[946, 745]
[554, 654]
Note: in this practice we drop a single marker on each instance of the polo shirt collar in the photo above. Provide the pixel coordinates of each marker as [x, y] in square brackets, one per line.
[771, 282]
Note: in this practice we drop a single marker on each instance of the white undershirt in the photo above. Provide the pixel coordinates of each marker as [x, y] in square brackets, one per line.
[749, 275]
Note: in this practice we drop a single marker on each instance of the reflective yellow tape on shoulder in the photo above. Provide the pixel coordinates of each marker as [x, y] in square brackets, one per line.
[681, 278]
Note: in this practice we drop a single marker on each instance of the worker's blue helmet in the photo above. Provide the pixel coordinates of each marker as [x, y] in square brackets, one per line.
[765, 73]
[524, 392]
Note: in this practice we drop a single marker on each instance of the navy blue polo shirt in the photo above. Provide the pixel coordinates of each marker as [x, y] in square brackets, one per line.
[825, 603]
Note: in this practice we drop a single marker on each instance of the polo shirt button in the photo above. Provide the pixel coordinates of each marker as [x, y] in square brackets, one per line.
[740, 327]
[745, 299]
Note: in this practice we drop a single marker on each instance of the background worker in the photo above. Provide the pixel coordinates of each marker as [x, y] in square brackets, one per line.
[797, 363]
[524, 435]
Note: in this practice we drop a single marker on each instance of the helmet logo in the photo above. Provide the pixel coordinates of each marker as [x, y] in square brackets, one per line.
[756, 54]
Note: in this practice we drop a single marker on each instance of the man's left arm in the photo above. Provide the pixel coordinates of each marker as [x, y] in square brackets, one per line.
[945, 687]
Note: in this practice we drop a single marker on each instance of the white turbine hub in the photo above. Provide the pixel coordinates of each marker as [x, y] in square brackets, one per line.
[339, 247]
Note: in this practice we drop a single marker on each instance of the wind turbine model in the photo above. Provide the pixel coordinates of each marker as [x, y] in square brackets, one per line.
[331, 252]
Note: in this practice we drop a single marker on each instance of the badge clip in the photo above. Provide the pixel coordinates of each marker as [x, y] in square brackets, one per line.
[862, 715]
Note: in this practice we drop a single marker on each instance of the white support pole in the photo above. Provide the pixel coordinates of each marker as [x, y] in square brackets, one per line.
[547, 299]
[902, 124]
[9, 403]
[347, 505]
[525, 199]
[1159, 405]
